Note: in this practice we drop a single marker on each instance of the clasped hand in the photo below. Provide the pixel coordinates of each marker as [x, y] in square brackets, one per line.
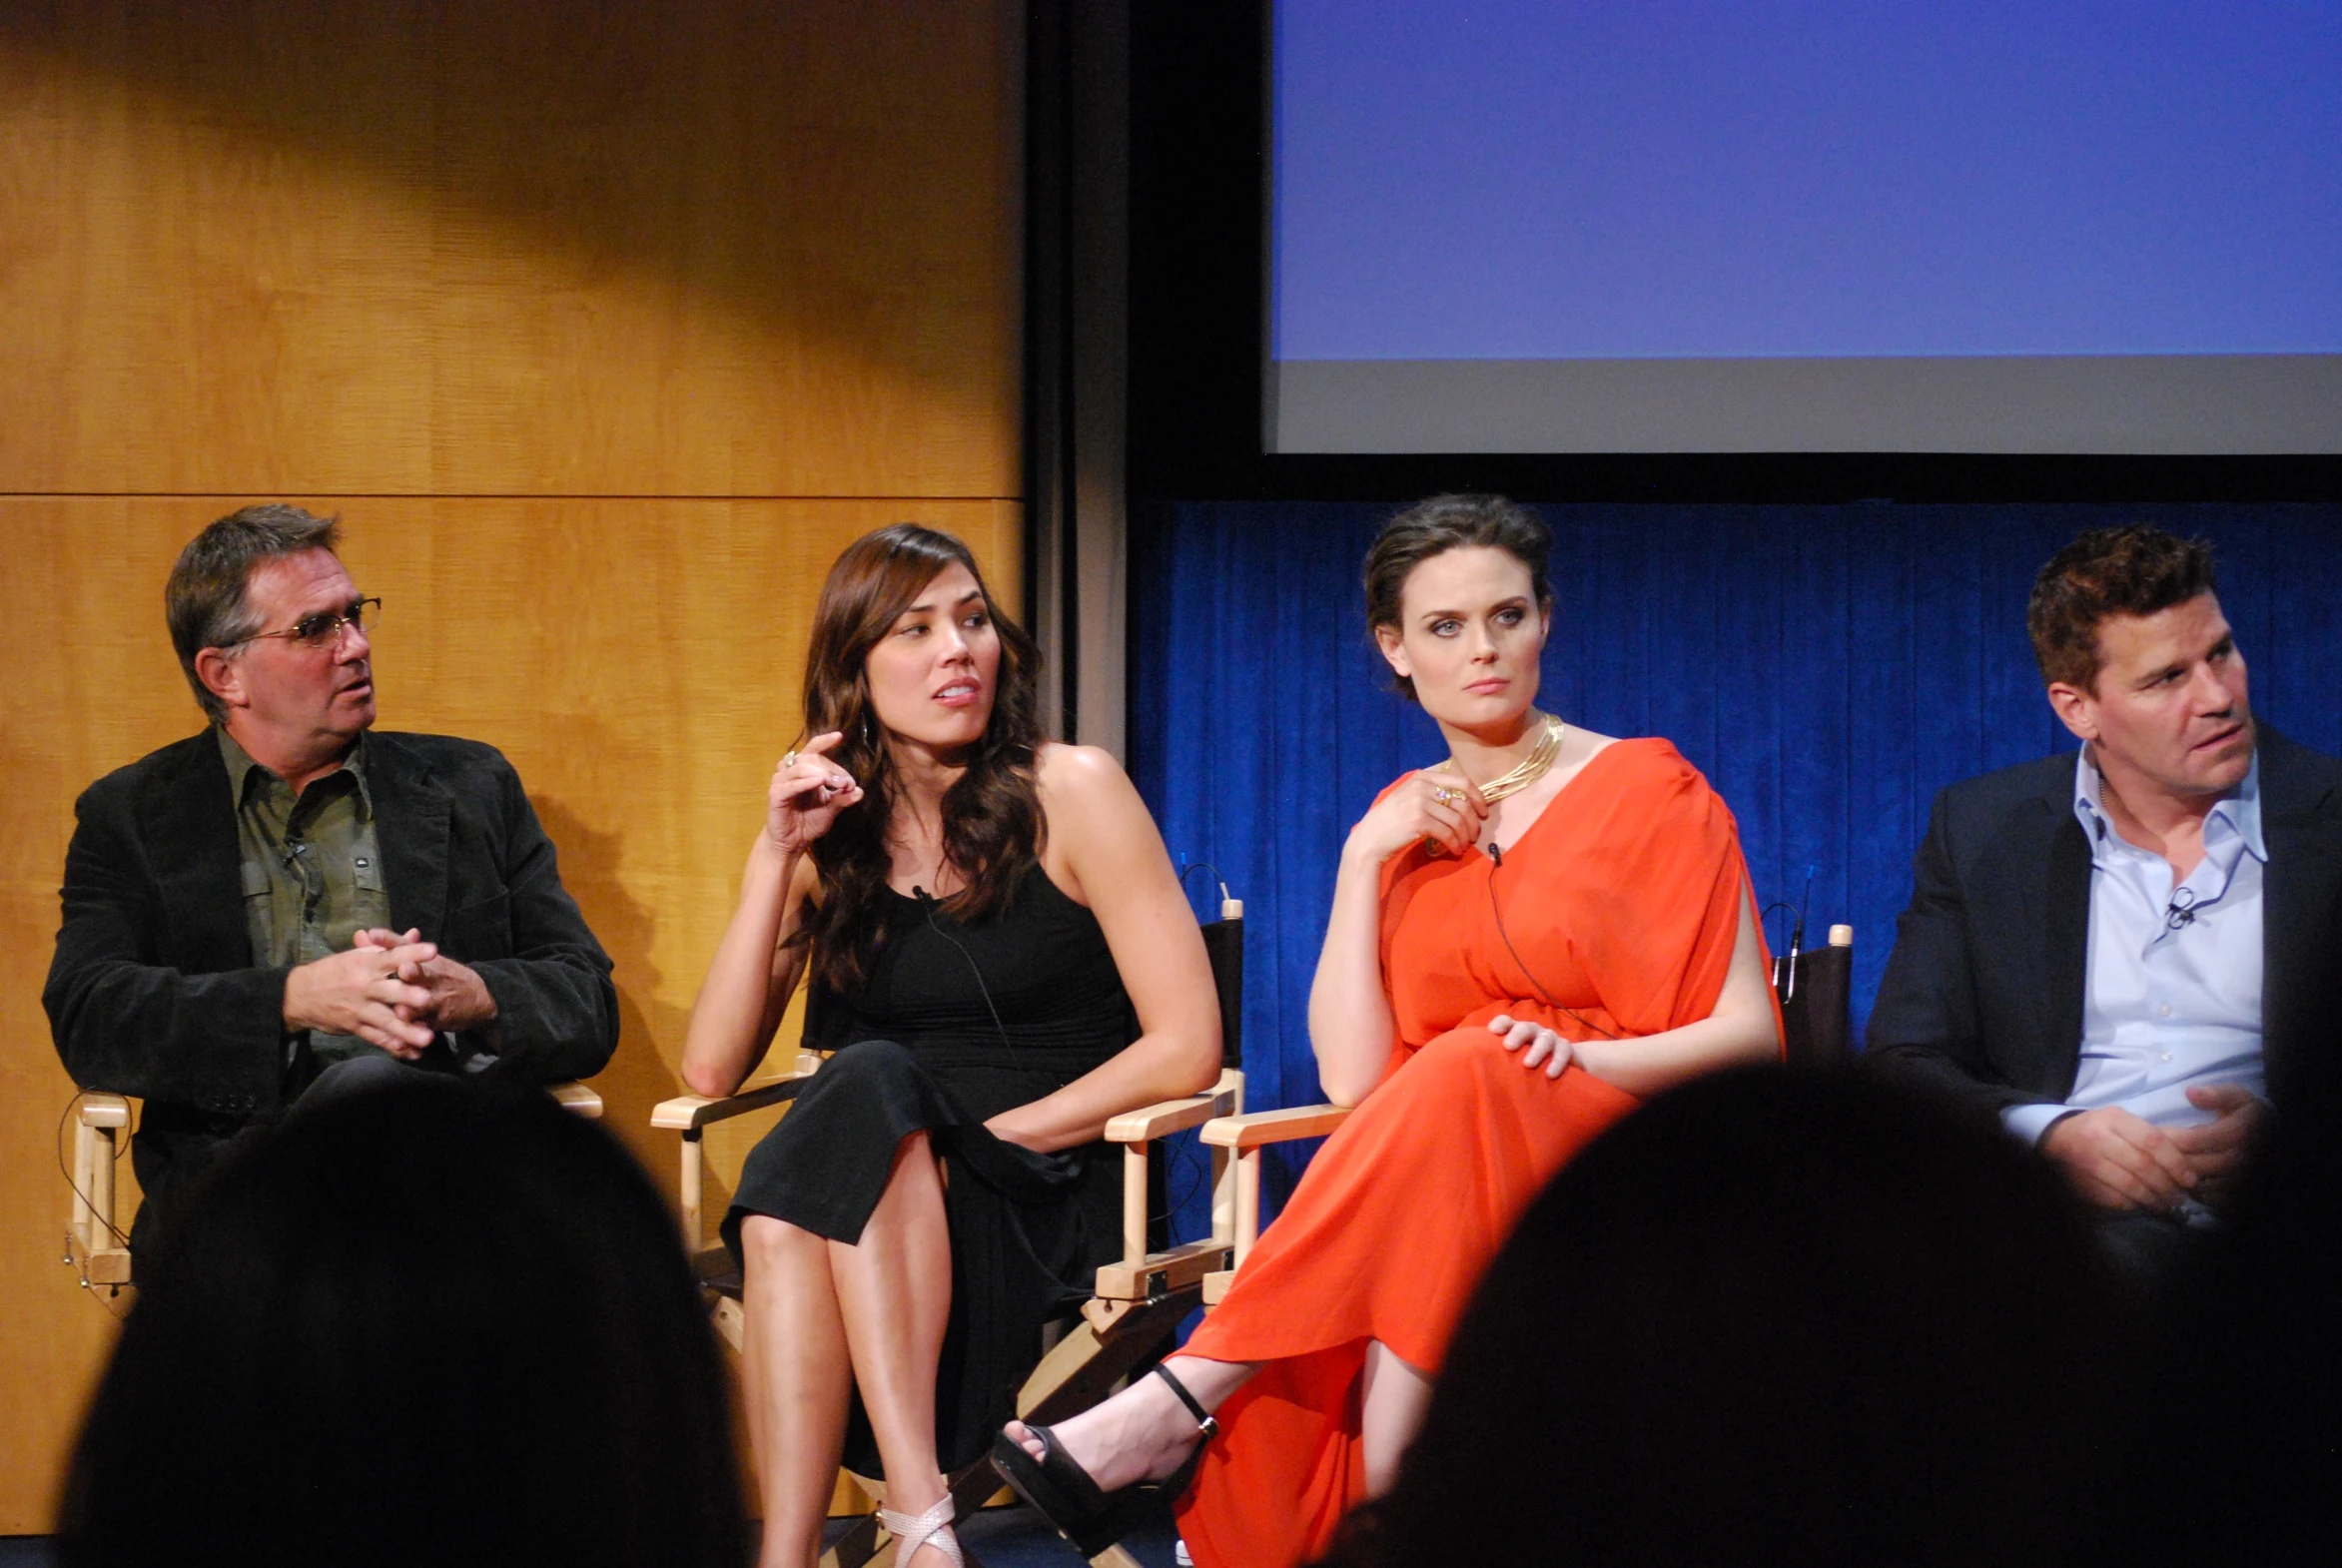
[391, 990]
[2121, 1161]
[806, 795]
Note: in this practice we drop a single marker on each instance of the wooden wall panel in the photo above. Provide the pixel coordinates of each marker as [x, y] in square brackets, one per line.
[603, 325]
[700, 248]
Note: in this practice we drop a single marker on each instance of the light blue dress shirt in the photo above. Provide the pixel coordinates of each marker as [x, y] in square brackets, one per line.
[2173, 998]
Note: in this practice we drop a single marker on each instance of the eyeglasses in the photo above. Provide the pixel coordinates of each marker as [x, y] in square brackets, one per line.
[323, 630]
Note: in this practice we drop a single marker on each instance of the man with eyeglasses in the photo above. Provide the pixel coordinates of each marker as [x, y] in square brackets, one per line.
[288, 905]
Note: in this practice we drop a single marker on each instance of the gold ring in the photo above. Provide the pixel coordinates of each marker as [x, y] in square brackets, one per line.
[1446, 797]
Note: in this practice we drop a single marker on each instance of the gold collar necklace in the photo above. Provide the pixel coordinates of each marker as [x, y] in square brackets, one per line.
[1533, 767]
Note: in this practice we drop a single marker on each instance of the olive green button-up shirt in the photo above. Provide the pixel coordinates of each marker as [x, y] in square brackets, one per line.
[313, 878]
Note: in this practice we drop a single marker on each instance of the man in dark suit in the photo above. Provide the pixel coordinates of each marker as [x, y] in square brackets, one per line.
[286, 901]
[2127, 955]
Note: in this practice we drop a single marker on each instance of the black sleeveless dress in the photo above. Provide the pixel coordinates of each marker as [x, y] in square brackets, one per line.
[917, 1049]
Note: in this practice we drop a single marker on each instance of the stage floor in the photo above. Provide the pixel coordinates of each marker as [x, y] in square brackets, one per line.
[998, 1538]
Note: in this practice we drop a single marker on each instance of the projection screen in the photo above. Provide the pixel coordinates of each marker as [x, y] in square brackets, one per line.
[2005, 225]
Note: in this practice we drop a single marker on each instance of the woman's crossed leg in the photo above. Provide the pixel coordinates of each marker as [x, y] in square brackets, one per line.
[824, 1316]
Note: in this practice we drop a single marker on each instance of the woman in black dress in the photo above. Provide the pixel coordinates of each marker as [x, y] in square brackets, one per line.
[1002, 960]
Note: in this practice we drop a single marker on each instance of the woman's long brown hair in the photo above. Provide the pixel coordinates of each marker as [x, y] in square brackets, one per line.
[991, 823]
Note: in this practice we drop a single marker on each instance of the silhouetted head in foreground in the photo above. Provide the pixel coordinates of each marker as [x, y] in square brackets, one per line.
[432, 1324]
[1774, 1316]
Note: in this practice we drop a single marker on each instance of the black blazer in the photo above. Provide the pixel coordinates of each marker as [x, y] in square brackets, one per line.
[1982, 996]
[154, 993]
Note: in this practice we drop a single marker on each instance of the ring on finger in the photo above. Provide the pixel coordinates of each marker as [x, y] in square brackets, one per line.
[1444, 795]
[788, 759]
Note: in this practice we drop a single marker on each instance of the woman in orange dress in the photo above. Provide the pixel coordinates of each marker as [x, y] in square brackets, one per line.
[1505, 974]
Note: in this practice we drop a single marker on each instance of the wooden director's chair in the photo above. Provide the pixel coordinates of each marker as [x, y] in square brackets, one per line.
[101, 1125]
[1138, 1301]
[1815, 1032]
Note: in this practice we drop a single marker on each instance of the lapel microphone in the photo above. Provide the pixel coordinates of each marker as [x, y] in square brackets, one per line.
[2180, 913]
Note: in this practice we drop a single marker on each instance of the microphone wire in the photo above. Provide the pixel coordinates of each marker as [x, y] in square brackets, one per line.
[1496, 864]
[1191, 1165]
[926, 905]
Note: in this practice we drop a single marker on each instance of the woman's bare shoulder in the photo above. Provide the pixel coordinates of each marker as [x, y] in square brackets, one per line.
[1060, 766]
[1580, 745]
[1082, 786]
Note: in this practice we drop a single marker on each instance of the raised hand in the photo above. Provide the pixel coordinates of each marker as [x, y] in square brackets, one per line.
[1435, 805]
[806, 795]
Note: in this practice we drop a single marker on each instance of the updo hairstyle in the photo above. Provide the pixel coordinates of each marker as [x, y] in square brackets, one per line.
[1443, 524]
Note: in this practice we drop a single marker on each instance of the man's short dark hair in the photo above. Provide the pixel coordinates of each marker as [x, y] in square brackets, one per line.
[204, 603]
[2135, 570]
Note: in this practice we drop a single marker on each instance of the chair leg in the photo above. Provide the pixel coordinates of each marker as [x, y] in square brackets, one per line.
[730, 1323]
[857, 1546]
[1086, 1365]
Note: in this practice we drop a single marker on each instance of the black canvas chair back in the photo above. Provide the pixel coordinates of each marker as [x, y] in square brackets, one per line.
[1224, 945]
[1815, 994]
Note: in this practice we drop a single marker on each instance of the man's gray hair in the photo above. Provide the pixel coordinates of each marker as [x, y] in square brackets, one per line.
[204, 603]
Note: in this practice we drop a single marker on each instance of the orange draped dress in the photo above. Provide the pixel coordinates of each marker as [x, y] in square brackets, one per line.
[1624, 899]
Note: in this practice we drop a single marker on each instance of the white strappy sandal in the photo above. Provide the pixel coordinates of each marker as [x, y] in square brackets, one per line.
[932, 1528]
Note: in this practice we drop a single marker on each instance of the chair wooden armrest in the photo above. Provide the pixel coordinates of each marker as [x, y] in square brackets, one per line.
[1247, 1135]
[1274, 1127]
[103, 1109]
[690, 1114]
[1164, 1117]
[98, 1126]
[576, 1099]
[1142, 1275]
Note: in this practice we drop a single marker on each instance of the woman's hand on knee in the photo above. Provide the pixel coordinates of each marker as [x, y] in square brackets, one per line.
[1539, 1046]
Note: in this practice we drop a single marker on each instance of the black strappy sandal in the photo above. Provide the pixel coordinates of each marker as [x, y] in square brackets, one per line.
[1069, 1499]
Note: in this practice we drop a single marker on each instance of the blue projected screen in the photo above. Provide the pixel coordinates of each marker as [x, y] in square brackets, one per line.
[2000, 224]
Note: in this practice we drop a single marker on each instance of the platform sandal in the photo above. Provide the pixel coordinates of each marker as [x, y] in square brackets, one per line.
[1069, 1499]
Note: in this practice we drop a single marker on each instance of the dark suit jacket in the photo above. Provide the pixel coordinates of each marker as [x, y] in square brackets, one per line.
[1982, 996]
[153, 992]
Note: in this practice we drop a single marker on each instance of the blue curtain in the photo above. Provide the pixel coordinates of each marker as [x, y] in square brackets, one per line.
[1827, 667]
